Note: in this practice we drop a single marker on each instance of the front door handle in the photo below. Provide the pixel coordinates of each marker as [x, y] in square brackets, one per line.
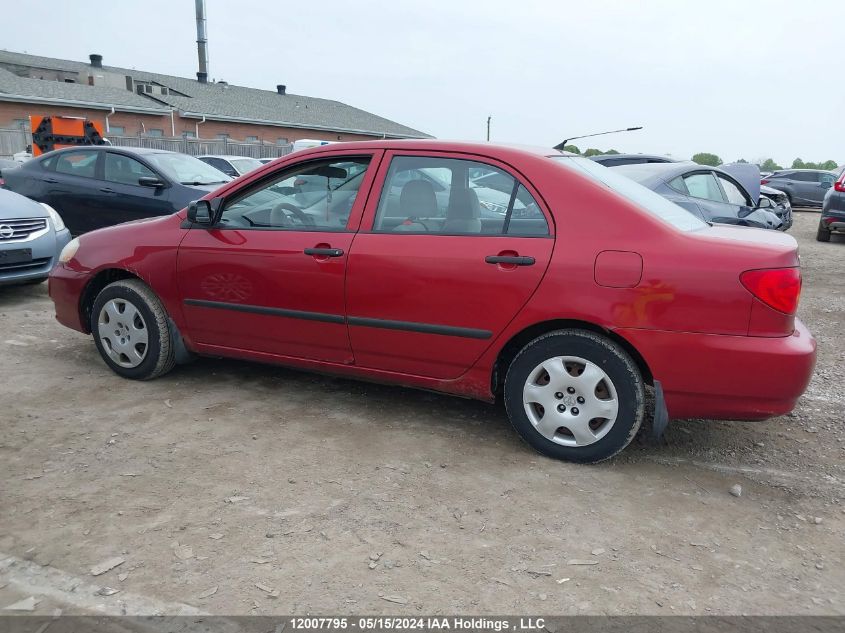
[515, 260]
[324, 252]
[52, 181]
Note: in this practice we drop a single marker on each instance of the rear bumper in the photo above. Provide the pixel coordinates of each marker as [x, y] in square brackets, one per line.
[728, 377]
[65, 287]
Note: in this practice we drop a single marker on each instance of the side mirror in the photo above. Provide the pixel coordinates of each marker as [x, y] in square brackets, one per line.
[199, 212]
[765, 203]
[149, 181]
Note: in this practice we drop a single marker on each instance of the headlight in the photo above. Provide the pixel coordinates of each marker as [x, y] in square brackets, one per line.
[58, 223]
[69, 251]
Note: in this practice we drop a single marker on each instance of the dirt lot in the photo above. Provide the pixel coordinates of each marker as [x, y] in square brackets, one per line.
[235, 488]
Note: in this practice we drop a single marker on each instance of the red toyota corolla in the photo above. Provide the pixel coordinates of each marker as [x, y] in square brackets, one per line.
[472, 269]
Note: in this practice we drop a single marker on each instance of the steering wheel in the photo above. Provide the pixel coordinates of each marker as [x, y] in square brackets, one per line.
[278, 215]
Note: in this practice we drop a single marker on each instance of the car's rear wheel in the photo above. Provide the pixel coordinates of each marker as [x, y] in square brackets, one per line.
[575, 395]
[131, 330]
[823, 234]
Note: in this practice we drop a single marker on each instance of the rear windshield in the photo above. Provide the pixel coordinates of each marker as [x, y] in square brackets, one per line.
[646, 199]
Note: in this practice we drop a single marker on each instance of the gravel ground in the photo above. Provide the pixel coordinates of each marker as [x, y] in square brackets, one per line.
[233, 488]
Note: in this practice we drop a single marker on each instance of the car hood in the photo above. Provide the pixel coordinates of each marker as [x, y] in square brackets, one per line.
[748, 175]
[13, 205]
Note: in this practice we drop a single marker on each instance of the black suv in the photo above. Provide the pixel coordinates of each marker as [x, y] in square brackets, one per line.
[833, 211]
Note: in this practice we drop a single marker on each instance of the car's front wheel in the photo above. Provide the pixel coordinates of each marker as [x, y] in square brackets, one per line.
[575, 395]
[131, 330]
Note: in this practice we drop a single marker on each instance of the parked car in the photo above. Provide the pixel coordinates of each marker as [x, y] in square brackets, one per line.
[232, 165]
[709, 193]
[832, 219]
[804, 187]
[264, 161]
[614, 160]
[31, 237]
[96, 186]
[566, 323]
[7, 164]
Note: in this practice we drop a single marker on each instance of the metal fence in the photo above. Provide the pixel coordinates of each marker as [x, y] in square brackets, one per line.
[198, 147]
[13, 141]
[17, 140]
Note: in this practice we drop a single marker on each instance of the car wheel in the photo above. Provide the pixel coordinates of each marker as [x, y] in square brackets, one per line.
[575, 395]
[823, 234]
[131, 331]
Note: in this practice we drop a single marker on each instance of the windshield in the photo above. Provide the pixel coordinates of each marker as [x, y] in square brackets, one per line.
[187, 170]
[646, 199]
[244, 165]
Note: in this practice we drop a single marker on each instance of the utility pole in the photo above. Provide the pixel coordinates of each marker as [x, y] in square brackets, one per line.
[488, 127]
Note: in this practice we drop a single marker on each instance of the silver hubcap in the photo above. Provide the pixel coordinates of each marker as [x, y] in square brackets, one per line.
[123, 333]
[570, 401]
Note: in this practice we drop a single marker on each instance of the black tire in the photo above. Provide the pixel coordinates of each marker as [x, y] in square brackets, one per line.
[822, 235]
[610, 358]
[159, 354]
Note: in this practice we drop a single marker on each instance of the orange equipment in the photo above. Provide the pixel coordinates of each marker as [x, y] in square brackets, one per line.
[56, 132]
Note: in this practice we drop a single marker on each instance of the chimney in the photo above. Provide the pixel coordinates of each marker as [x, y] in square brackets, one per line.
[281, 88]
[96, 60]
[202, 42]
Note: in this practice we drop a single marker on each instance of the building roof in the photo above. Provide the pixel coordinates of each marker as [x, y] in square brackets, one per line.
[216, 101]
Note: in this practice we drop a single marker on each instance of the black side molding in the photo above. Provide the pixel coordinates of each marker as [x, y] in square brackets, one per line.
[293, 314]
[425, 328]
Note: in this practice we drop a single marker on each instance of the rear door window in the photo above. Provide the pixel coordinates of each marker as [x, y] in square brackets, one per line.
[447, 196]
[82, 164]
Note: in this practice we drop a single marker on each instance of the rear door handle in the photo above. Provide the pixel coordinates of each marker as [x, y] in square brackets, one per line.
[107, 190]
[517, 260]
[324, 252]
[52, 181]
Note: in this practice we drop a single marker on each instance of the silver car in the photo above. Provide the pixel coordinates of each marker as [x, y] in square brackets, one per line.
[32, 235]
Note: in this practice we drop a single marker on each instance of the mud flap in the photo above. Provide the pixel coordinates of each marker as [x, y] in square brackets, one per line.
[181, 353]
[661, 414]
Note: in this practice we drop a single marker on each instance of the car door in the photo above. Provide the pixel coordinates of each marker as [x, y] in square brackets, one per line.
[124, 198]
[268, 277]
[73, 188]
[432, 280]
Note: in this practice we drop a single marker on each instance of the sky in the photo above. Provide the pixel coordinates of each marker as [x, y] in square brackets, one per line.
[742, 79]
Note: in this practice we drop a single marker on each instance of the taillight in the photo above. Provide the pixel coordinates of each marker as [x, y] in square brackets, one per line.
[765, 181]
[778, 288]
[839, 185]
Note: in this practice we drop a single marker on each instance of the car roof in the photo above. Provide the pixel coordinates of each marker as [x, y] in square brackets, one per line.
[667, 171]
[469, 147]
[141, 151]
[654, 157]
[225, 157]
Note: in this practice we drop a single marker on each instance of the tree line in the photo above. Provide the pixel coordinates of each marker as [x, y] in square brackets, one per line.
[712, 160]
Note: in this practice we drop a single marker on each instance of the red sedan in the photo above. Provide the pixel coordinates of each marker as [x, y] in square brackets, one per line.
[473, 269]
